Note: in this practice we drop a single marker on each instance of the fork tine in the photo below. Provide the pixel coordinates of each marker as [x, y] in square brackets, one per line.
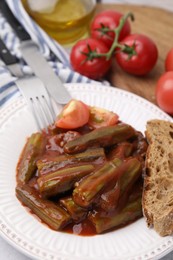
[39, 113]
[43, 111]
[50, 111]
[36, 117]
[38, 99]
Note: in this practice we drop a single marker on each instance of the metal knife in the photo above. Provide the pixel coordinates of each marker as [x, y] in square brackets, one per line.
[35, 60]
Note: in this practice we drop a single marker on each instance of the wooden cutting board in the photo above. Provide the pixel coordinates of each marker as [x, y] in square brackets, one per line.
[157, 24]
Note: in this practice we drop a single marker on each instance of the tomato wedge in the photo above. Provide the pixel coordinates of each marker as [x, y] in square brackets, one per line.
[100, 117]
[75, 114]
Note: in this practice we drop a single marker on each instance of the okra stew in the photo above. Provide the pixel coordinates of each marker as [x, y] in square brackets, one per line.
[84, 178]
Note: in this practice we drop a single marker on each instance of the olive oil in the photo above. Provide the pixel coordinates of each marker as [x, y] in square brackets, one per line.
[67, 22]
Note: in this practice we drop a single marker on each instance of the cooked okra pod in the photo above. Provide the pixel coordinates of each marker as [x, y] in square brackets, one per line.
[132, 173]
[76, 212]
[55, 162]
[53, 215]
[122, 150]
[131, 212]
[87, 191]
[62, 180]
[33, 148]
[136, 191]
[104, 136]
[118, 195]
[109, 199]
[140, 144]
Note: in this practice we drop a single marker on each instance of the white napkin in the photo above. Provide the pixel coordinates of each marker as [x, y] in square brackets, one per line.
[59, 60]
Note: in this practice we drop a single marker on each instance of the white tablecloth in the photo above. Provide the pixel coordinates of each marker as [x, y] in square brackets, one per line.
[7, 252]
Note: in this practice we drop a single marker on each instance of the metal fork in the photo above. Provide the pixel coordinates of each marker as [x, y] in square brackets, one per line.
[38, 100]
[32, 88]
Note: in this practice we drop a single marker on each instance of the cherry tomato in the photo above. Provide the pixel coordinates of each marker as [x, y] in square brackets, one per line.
[93, 68]
[145, 58]
[75, 114]
[164, 92]
[169, 61]
[109, 19]
[100, 117]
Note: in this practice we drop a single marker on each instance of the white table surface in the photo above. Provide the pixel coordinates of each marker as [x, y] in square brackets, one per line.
[7, 252]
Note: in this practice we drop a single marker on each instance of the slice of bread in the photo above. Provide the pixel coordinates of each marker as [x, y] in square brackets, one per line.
[157, 200]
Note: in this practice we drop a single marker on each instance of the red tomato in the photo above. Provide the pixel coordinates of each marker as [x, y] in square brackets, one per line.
[101, 117]
[169, 61]
[145, 58]
[75, 114]
[164, 92]
[93, 68]
[109, 19]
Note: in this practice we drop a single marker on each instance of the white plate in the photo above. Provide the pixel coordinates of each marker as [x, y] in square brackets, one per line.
[25, 232]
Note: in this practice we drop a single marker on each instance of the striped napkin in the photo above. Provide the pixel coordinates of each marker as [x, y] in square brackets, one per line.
[59, 60]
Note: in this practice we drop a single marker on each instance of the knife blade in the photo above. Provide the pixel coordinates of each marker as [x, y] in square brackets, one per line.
[35, 60]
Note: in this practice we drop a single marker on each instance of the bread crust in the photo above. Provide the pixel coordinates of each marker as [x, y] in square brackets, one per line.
[157, 197]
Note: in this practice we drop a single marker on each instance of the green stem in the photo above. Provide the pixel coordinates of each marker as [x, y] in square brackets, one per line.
[117, 33]
[130, 50]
